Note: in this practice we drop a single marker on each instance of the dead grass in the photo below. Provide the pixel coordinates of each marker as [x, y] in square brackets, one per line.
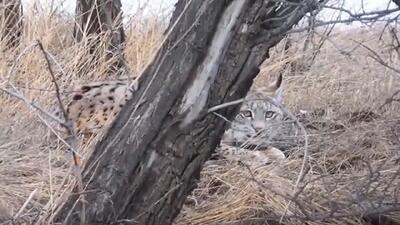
[352, 165]
[352, 169]
[30, 159]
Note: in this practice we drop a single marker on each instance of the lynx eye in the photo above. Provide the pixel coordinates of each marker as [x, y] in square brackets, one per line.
[246, 113]
[269, 114]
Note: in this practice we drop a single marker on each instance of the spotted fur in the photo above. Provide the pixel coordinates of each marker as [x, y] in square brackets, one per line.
[95, 104]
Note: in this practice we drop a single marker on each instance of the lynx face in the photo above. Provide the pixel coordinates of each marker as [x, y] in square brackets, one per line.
[258, 120]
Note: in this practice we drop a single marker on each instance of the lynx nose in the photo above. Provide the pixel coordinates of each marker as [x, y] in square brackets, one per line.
[258, 126]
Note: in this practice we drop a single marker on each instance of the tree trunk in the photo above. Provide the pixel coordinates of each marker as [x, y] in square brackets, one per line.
[151, 157]
[99, 23]
[10, 22]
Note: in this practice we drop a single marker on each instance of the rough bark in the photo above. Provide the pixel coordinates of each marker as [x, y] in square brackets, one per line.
[100, 21]
[151, 157]
[10, 22]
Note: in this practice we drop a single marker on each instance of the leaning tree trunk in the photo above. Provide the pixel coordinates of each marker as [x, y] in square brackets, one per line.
[151, 157]
[99, 24]
[10, 22]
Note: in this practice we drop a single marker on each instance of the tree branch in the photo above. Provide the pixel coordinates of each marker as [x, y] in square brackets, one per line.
[361, 17]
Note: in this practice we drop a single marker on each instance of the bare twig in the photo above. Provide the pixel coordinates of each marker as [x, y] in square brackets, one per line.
[58, 95]
[378, 58]
[77, 171]
[391, 99]
[225, 105]
[33, 105]
[69, 146]
[362, 17]
[38, 108]
[17, 215]
[323, 39]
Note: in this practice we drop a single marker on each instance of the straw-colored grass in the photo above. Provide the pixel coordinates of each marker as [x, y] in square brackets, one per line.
[352, 157]
[352, 164]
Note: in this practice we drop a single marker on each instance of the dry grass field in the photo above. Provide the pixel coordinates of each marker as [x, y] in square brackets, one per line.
[349, 168]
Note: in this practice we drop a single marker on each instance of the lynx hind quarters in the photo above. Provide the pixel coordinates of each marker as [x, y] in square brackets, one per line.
[95, 104]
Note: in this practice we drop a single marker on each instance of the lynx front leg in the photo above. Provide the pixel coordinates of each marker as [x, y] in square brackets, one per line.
[250, 157]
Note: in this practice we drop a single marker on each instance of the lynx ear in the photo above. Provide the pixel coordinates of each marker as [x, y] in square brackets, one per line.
[274, 87]
[276, 90]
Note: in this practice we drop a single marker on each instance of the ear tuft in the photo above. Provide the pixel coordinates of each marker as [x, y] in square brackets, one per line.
[278, 83]
[278, 95]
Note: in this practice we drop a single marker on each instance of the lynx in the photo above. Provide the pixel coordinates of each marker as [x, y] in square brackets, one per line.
[94, 106]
